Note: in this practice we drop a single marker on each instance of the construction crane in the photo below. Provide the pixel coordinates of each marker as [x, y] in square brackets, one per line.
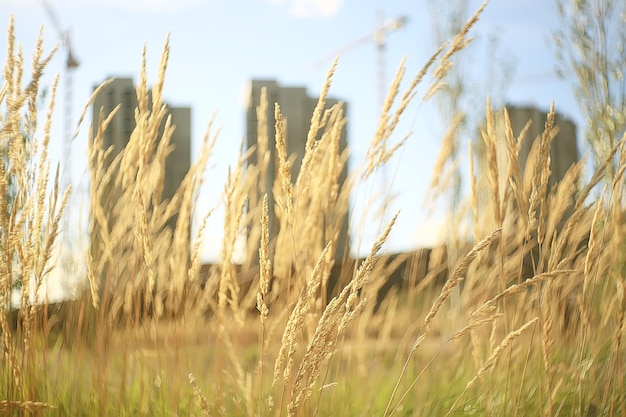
[379, 38]
[71, 63]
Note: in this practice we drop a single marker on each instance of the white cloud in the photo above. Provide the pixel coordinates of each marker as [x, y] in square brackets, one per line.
[306, 9]
[143, 6]
[275, 2]
[148, 6]
[315, 8]
[309, 9]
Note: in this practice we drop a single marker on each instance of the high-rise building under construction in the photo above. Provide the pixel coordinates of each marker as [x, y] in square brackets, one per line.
[297, 108]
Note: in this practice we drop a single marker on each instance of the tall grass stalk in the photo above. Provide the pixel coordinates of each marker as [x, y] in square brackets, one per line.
[536, 327]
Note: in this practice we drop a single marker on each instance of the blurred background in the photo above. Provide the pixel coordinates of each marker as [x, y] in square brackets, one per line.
[217, 47]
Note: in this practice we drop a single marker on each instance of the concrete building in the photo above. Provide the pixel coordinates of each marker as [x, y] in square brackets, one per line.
[564, 150]
[297, 108]
[122, 92]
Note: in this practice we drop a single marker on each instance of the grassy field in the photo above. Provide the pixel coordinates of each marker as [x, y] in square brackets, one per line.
[529, 320]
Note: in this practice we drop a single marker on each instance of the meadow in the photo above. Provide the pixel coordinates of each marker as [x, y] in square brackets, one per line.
[529, 319]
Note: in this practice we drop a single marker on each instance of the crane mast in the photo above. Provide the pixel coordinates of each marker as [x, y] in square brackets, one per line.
[71, 63]
[379, 38]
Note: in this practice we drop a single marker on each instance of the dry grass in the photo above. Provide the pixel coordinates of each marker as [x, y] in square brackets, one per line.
[537, 328]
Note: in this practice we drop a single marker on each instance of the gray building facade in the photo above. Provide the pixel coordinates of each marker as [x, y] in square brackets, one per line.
[121, 92]
[297, 107]
[564, 151]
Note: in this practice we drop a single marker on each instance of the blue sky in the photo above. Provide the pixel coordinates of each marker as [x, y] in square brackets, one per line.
[218, 45]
